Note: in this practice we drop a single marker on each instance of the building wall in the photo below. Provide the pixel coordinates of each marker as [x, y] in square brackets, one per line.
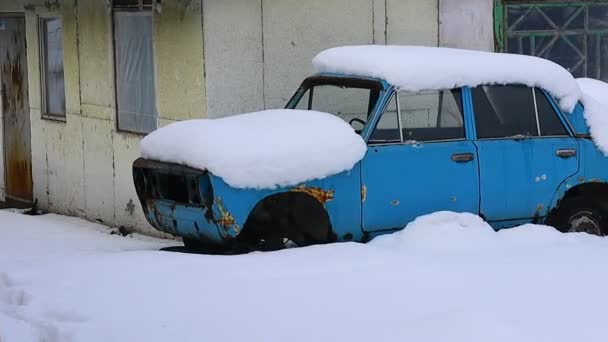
[467, 24]
[212, 58]
[83, 166]
[258, 51]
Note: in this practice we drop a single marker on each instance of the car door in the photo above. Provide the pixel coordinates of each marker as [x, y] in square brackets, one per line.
[525, 151]
[419, 161]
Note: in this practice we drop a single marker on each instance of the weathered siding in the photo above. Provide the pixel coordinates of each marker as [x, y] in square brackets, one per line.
[257, 52]
[83, 166]
[212, 58]
[467, 24]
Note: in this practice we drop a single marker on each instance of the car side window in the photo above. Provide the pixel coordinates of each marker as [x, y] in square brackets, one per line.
[504, 111]
[550, 124]
[424, 116]
[432, 115]
[387, 129]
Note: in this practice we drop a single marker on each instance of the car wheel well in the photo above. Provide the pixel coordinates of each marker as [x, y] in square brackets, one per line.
[593, 190]
[297, 216]
[595, 193]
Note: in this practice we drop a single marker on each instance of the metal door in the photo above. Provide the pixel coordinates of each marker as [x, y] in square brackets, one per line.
[15, 109]
[405, 181]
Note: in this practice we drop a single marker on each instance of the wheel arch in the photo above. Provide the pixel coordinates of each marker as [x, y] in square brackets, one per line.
[594, 189]
[299, 208]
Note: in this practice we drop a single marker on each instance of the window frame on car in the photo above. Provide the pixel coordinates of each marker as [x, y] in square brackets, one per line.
[556, 111]
[394, 96]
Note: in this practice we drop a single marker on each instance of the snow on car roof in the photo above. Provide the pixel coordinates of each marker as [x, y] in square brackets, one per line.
[416, 68]
[261, 150]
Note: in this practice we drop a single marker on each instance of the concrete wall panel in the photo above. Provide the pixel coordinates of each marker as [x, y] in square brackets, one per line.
[295, 31]
[178, 48]
[412, 22]
[127, 209]
[233, 56]
[98, 169]
[65, 172]
[39, 160]
[467, 24]
[96, 56]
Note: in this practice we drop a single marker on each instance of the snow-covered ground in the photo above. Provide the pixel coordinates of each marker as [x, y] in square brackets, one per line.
[447, 277]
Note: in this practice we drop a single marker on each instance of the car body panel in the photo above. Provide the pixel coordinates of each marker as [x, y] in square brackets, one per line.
[509, 182]
[405, 181]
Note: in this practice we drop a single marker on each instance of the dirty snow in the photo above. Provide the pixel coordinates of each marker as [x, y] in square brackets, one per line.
[416, 68]
[595, 100]
[260, 150]
[445, 277]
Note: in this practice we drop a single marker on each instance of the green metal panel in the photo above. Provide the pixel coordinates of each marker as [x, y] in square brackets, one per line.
[573, 34]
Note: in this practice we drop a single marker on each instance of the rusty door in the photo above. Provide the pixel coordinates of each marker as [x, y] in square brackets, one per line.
[15, 109]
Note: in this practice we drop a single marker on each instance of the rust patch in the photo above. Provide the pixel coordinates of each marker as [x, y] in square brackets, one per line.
[13, 75]
[226, 219]
[321, 195]
[363, 193]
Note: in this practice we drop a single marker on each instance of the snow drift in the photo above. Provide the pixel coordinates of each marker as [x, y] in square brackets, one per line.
[266, 149]
[446, 277]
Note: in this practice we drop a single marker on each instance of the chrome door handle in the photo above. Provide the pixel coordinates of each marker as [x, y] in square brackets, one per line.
[566, 153]
[462, 157]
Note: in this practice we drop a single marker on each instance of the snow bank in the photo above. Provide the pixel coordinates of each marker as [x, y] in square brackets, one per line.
[447, 277]
[595, 100]
[264, 149]
[416, 68]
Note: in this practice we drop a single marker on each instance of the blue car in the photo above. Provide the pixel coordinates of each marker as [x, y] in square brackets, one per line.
[507, 152]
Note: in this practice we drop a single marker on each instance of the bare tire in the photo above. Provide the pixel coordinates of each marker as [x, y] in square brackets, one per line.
[580, 215]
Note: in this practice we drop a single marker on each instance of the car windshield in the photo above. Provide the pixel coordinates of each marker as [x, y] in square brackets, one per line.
[353, 100]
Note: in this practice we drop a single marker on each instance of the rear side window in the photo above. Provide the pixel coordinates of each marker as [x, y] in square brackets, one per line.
[504, 111]
[550, 124]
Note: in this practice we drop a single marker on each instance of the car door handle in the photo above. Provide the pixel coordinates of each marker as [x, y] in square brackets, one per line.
[462, 157]
[566, 153]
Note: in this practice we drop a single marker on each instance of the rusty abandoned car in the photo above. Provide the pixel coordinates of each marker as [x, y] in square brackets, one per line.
[501, 136]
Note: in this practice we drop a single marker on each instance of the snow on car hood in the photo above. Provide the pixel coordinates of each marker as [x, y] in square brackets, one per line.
[595, 100]
[416, 68]
[261, 150]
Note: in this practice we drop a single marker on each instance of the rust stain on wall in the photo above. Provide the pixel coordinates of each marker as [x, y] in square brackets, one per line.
[15, 110]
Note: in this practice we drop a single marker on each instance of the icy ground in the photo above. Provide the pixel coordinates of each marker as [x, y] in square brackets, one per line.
[447, 277]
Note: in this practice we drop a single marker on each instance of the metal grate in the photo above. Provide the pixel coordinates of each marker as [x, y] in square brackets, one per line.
[572, 34]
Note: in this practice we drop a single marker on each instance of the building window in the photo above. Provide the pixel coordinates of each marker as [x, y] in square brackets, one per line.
[573, 34]
[51, 54]
[134, 66]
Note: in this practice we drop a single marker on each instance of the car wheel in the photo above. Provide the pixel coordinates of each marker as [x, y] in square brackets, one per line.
[580, 215]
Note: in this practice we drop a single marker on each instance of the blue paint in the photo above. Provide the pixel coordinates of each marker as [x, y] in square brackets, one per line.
[508, 182]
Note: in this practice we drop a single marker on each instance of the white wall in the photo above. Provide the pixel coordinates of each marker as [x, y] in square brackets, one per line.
[467, 24]
[258, 51]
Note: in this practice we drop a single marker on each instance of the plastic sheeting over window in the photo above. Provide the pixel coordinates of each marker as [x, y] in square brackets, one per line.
[573, 34]
[51, 32]
[135, 95]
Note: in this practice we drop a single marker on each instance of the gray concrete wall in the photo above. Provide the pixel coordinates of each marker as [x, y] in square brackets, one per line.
[467, 24]
[258, 51]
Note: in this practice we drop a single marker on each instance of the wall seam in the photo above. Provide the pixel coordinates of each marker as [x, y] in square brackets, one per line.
[439, 22]
[84, 183]
[386, 42]
[373, 22]
[263, 56]
[205, 92]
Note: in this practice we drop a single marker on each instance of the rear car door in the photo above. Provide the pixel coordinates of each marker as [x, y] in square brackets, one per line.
[419, 161]
[525, 151]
